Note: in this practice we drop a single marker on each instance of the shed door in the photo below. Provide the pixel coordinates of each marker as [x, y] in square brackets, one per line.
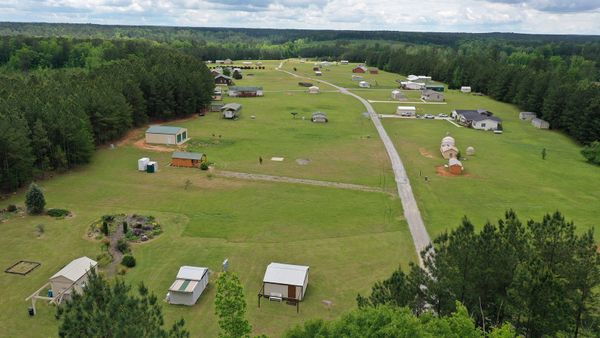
[292, 291]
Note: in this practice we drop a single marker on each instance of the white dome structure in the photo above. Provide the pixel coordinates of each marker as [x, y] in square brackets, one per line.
[470, 151]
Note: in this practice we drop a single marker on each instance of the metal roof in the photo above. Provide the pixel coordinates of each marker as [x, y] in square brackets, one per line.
[191, 272]
[245, 88]
[478, 115]
[287, 274]
[164, 130]
[452, 161]
[232, 106]
[76, 269]
[186, 155]
[319, 113]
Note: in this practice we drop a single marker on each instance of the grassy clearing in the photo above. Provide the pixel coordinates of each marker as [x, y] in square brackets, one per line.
[506, 172]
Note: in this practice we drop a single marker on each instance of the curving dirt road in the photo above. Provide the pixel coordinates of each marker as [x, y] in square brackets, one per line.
[409, 204]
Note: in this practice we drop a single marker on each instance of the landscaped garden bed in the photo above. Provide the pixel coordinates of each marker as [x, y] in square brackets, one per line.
[136, 228]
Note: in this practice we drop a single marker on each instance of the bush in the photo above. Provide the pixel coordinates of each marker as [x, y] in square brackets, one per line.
[121, 271]
[124, 227]
[57, 212]
[108, 218]
[123, 246]
[11, 208]
[592, 152]
[204, 166]
[105, 230]
[104, 259]
[128, 261]
[40, 229]
[34, 200]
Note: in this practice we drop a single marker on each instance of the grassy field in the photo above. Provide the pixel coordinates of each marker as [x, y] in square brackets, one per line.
[506, 172]
[350, 239]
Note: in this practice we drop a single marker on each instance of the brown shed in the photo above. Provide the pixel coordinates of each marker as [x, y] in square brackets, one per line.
[185, 159]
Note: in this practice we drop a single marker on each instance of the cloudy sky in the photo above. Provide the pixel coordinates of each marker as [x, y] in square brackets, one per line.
[526, 16]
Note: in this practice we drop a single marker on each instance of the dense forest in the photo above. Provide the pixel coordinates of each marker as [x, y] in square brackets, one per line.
[60, 98]
[541, 277]
[65, 88]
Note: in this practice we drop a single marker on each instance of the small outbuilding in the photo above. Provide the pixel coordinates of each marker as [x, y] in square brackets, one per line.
[71, 278]
[216, 106]
[406, 110]
[239, 91]
[465, 89]
[364, 84]
[344, 62]
[412, 85]
[143, 163]
[455, 166]
[360, 69]
[231, 110]
[429, 95]
[166, 135]
[318, 73]
[217, 94]
[435, 88]
[373, 71]
[527, 115]
[188, 286]
[284, 282]
[448, 148]
[319, 117]
[539, 123]
[221, 79]
[313, 90]
[187, 159]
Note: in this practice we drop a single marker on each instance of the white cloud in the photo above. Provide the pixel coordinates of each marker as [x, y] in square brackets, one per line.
[528, 16]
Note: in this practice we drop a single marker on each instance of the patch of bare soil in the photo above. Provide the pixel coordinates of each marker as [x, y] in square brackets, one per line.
[425, 153]
[443, 171]
[141, 144]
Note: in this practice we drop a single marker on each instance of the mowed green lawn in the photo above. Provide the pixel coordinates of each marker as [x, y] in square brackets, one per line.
[350, 239]
[506, 172]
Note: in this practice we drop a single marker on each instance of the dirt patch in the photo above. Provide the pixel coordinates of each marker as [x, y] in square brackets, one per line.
[141, 144]
[443, 171]
[425, 153]
[303, 161]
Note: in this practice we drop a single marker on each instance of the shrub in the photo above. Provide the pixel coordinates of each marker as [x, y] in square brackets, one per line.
[40, 229]
[122, 245]
[104, 259]
[124, 227]
[204, 166]
[128, 261]
[122, 270]
[57, 212]
[34, 200]
[592, 152]
[105, 228]
[11, 208]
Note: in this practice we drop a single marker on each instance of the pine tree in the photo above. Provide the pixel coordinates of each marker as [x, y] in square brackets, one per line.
[93, 313]
[34, 200]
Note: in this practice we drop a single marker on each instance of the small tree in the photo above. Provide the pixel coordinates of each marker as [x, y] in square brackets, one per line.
[128, 261]
[591, 152]
[105, 228]
[187, 184]
[226, 71]
[34, 200]
[124, 227]
[237, 75]
[230, 307]
[544, 154]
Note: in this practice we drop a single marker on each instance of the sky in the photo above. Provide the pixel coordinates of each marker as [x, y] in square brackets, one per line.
[522, 16]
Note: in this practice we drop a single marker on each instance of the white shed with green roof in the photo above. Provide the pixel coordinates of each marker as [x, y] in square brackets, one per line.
[188, 286]
[166, 135]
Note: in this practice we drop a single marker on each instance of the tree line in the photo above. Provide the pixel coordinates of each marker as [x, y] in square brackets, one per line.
[53, 118]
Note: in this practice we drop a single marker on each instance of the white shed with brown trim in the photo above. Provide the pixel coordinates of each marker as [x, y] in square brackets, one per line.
[285, 281]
